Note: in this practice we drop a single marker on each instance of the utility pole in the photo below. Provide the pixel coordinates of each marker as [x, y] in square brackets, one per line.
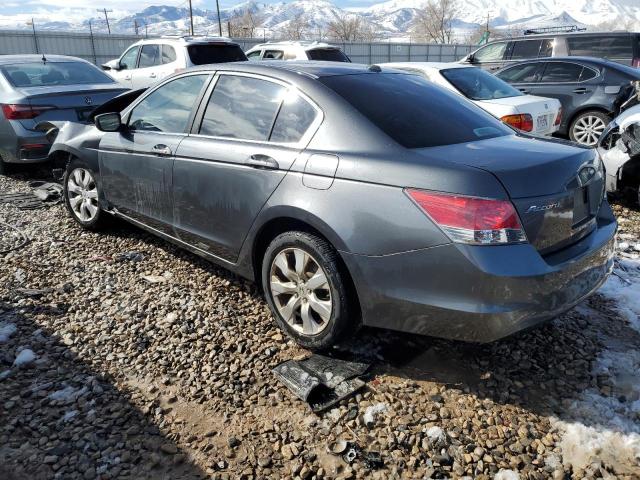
[219, 21]
[106, 17]
[135, 25]
[191, 17]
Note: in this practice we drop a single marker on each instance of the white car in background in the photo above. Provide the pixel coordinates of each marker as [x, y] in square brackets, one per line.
[528, 113]
[297, 50]
[148, 61]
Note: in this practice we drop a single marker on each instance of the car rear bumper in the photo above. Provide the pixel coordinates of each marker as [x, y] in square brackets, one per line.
[480, 293]
[24, 146]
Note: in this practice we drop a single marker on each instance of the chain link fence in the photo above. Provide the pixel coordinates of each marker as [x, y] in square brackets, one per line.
[99, 48]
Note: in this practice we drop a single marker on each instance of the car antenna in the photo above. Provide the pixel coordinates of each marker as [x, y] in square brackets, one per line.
[44, 59]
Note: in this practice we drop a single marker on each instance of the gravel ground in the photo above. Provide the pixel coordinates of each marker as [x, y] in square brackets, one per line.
[122, 356]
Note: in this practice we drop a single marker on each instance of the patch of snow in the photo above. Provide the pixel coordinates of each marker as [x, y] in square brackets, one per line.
[371, 412]
[506, 475]
[67, 394]
[6, 330]
[436, 434]
[69, 415]
[624, 287]
[25, 357]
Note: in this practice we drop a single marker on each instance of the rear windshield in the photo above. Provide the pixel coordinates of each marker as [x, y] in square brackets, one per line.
[42, 74]
[215, 53]
[603, 46]
[478, 84]
[328, 54]
[413, 111]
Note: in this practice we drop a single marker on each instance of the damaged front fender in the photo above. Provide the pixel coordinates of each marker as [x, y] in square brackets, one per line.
[619, 148]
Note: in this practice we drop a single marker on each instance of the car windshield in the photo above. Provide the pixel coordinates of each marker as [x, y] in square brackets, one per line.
[413, 111]
[215, 53]
[44, 74]
[328, 54]
[477, 84]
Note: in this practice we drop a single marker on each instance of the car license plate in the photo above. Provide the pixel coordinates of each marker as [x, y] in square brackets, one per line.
[542, 122]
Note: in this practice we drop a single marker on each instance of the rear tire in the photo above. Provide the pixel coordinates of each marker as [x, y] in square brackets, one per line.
[81, 195]
[587, 127]
[306, 289]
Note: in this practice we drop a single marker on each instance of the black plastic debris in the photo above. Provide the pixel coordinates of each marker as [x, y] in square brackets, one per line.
[42, 194]
[321, 381]
[352, 452]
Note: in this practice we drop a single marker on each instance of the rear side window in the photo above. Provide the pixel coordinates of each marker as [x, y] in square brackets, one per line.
[414, 112]
[327, 54]
[149, 56]
[40, 74]
[526, 49]
[561, 72]
[168, 108]
[294, 119]
[242, 107]
[273, 55]
[616, 46]
[168, 54]
[526, 73]
[254, 55]
[203, 54]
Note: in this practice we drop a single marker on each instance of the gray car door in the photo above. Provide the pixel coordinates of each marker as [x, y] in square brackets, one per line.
[136, 163]
[246, 137]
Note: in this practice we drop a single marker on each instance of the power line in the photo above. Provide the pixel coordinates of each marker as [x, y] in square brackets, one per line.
[219, 21]
[190, 18]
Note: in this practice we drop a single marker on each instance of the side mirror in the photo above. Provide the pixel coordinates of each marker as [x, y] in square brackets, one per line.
[470, 58]
[112, 65]
[108, 122]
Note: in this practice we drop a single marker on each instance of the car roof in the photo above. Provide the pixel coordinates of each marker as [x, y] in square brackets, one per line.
[533, 36]
[17, 59]
[187, 40]
[426, 65]
[314, 69]
[306, 45]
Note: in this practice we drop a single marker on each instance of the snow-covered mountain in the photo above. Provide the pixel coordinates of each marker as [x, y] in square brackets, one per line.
[391, 18]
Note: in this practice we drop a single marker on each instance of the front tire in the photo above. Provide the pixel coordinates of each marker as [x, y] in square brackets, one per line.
[587, 127]
[306, 290]
[81, 195]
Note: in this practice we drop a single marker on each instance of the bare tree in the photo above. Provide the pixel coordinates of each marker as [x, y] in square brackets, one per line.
[350, 28]
[245, 24]
[434, 22]
[296, 29]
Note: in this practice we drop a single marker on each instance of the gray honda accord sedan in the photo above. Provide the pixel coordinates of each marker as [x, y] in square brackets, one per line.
[353, 195]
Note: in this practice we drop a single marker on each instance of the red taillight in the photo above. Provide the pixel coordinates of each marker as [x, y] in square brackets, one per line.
[471, 219]
[23, 112]
[558, 117]
[521, 121]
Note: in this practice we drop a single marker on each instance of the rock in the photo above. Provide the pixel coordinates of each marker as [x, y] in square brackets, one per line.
[169, 448]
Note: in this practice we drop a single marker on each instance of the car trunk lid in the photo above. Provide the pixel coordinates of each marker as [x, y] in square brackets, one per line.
[67, 102]
[543, 111]
[556, 188]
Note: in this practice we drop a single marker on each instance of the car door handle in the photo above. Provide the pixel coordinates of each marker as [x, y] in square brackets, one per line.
[127, 77]
[524, 90]
[262, 161]
[580, 90]
[161, 149]
[153, 75]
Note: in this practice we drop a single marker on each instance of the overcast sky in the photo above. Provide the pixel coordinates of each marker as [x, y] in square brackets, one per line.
[67, 9]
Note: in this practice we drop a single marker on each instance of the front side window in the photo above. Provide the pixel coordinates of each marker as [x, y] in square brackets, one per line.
[561, 72]
[491, 53]
[149, 56]
[242, 107]
[527, 73]
[273, 55]
[41, 74]
[525, 49]
[254, 55]
[168, 54]
[128, 60]
[478, 84]
[167, 109]
[414, 112]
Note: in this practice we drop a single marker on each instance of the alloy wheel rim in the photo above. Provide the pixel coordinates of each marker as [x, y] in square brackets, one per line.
[588, 129]
[300, 291]
[83, 194]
